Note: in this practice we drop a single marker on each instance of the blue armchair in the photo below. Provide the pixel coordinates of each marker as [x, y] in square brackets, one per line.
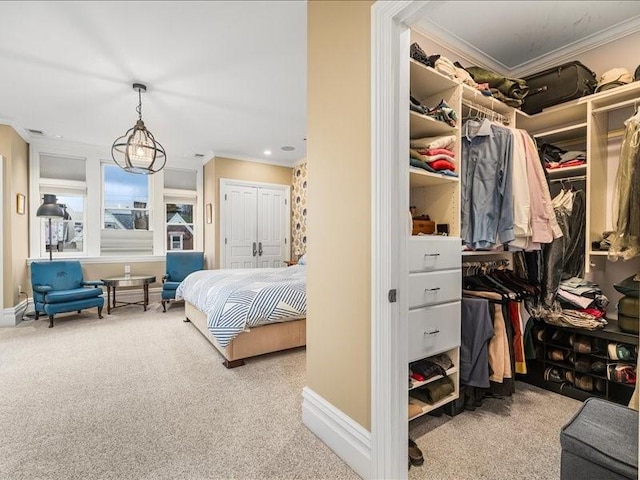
[59, 287]
[179, 265]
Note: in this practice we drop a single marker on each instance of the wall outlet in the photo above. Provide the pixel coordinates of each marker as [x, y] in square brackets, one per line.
[127, 269]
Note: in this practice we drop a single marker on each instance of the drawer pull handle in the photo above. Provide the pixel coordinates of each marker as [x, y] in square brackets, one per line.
[431, 254]
[432, 289]
[432, 333]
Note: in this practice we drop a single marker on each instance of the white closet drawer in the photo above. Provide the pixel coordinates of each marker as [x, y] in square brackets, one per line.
[434, 253]
[434, 287]
[433, 330]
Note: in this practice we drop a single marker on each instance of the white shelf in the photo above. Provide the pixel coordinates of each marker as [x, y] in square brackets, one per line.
[424, 126]
[474, 96]
[476, 253]
[426, 408]
[576, 133]
[450, 372]
[573, 112]
[426, 82]
[599, 253]
[422, 178]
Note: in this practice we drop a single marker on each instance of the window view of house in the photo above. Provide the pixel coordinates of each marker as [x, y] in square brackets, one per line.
[180, 226]
[126, 200]
[67, 233]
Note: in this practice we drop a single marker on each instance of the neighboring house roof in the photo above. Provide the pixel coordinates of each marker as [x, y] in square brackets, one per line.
[177, 219]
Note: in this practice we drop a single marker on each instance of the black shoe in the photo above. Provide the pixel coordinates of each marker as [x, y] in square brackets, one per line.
[415, 454]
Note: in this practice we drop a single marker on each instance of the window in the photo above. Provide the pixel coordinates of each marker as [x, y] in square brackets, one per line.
[180, 226]
[64, 177]
[126, 199]
[180, 200]
[126, 215]
[67, 233]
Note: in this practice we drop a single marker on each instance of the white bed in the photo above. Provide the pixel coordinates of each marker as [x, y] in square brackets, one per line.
[247, 312]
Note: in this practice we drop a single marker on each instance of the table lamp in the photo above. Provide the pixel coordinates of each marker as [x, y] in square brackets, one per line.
[50, 209]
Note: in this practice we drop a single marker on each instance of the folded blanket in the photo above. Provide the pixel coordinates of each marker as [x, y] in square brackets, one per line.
[446, 141]
[435, 391]
[515, 88]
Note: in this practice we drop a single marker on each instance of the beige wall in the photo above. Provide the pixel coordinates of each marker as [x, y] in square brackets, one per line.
[16, 227]
[339, 197]
[220, 167]
[96, 271]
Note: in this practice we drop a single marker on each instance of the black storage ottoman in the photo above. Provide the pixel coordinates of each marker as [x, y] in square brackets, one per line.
[600, 443]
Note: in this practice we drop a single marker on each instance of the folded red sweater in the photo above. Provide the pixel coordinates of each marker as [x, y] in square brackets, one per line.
[442, 165]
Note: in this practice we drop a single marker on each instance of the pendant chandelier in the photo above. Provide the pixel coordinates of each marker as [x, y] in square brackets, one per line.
[137, 151]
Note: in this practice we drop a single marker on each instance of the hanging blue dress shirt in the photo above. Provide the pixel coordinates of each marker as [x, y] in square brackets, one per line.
[487, 202]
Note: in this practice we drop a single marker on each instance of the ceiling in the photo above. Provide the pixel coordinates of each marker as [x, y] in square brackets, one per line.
[523, 37]
[228, 78]
[224, 78]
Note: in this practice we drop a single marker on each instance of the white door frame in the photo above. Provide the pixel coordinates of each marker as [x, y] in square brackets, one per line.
[227, 182]
[4, 229]
[390, 36]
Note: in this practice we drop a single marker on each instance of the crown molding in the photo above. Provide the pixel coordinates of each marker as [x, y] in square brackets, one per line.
[278, 163]
[573, 50]
[460, 47]
[475, 56]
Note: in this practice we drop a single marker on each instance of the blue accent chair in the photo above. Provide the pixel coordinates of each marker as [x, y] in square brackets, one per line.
[60, 287]
[179, 265]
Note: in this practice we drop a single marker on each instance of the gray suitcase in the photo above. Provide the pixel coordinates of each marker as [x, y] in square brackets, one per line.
[558, 85]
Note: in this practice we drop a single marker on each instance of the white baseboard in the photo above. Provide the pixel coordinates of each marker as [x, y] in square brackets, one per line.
[347, 438]
[11, 316]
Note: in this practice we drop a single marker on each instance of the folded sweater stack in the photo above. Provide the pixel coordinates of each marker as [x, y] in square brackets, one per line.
[434, 154]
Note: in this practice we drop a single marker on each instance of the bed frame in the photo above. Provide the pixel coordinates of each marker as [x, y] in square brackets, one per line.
[272, 337]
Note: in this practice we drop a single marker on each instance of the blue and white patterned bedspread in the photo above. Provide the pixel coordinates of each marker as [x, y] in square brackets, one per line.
[235, 300]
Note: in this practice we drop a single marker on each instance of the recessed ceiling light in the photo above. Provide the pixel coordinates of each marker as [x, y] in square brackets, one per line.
[35, 132]
[59, 136]
[267, 152]
[288, 148]
[198, 155]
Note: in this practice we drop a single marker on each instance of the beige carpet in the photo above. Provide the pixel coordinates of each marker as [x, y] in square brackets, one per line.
[505, 439]
[144, 396]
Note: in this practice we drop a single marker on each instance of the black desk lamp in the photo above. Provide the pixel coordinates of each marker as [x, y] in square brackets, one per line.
[50, 209]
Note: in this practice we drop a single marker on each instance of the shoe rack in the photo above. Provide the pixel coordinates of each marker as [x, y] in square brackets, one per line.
[569, 361]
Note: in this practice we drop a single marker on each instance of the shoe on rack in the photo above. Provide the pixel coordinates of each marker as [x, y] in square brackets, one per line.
[554, 374]
[598, 366]
[415, 454]
[569, 376]
[620, 351]
[599, 345]
[584, 382]
[600, 385]
[582, 365]
[557, 355]
[582, 345]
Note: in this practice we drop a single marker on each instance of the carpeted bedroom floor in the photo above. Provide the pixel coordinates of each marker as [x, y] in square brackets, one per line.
[142, 395]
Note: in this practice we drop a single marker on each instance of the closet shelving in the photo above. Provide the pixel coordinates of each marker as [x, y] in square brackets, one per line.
[434, 261]
[614, 391]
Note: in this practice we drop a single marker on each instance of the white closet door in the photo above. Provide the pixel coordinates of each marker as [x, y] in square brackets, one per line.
[272, 223]
[241, 217]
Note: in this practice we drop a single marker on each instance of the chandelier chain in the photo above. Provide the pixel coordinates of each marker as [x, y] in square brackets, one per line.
[139, 107]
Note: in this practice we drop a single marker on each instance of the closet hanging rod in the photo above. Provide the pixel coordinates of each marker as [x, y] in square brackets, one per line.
[568, 179]
[615, 106]
[492, 114]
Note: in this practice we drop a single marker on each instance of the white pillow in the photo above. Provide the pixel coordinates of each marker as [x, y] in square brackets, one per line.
[302, 260]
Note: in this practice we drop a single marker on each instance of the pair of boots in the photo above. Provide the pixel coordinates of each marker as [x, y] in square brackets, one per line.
[472, 398]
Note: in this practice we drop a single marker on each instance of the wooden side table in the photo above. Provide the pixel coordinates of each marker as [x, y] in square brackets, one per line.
[290, 263]
[127, 281]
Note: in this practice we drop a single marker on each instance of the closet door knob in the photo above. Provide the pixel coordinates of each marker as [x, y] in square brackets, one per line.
[255, 252]
[434, 332]
[260, 248]
[432, 289]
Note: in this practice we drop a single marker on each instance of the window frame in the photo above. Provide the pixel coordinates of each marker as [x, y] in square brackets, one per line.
[181, 197]
[94, 157]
